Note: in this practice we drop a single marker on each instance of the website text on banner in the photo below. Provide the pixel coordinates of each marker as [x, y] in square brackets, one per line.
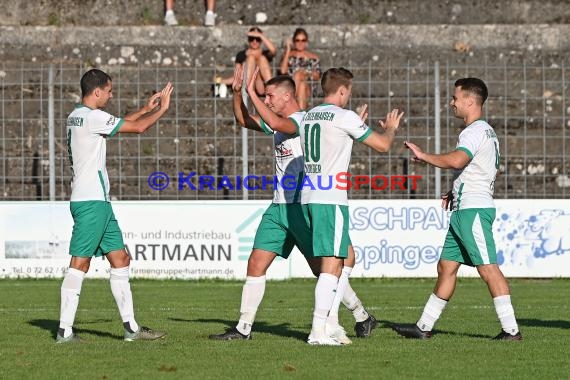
[392, 238]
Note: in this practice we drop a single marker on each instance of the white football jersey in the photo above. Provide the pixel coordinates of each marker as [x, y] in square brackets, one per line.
[87, 131]
[327, 133]
[288, 162]
[473, 186]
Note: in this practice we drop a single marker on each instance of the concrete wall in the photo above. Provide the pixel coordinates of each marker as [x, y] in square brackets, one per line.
[189, 46]
[127, 38]
[286, 12]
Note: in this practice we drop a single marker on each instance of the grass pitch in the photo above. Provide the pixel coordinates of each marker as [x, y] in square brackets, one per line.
[190, 311]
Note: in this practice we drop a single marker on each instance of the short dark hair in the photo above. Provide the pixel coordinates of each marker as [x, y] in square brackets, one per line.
[334, 78]
[93, 79]
[284, 81]
[255, 29]
[475, 86]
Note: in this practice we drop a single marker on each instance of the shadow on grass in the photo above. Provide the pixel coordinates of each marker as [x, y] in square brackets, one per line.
[556, 324]
[390, 325]
[52, 326]
[282, 329]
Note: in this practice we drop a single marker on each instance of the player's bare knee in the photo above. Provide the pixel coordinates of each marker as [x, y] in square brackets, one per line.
[119, 259]
[126, 261]
[255, 269]
[84, 267]
[80, 263]
[258, 262]
[443, 271]
[490, 273]
[331, 265]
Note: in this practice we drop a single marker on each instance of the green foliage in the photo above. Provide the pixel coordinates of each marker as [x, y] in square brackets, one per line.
[147, 148]
[191, 310]
[148, 16]
[364, 18]
[54, 20]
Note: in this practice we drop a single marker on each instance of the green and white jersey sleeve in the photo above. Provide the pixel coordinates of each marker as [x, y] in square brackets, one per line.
[327, 133]
[473, 186]
[87, 132]
[288, 162]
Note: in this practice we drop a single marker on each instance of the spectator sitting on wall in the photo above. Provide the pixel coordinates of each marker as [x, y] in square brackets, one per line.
[301, 64]
[254, 55]
[209, 17]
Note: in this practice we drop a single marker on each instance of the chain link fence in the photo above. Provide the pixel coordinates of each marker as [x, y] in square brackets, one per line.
[527, 106]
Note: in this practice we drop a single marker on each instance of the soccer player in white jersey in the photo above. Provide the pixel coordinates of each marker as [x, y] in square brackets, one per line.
[95, 230]
[283, 224]
[327, 132]
[469, 239]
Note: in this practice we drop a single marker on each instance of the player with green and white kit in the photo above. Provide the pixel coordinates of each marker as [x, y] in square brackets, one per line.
[283, 224]
[469, 239]
[327, 132]
[472, 196]
[95, 230]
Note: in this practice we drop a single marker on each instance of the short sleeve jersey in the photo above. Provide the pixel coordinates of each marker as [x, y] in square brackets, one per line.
[87, 132]
[473, 186]
[288, 162]
[327, 133]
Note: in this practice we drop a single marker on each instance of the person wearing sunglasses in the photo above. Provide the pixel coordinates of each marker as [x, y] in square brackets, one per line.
[301, 64]
[255, 55]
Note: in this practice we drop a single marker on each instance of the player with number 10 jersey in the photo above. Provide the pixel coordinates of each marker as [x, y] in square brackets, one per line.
[327, 133]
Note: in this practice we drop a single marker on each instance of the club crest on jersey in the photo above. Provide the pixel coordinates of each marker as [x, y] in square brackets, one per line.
[282, 151]
[111, 121]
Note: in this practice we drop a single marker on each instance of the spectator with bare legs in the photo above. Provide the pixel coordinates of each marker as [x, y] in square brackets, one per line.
[209, 17]
[301, 64]
[169, 16]
[254, 56]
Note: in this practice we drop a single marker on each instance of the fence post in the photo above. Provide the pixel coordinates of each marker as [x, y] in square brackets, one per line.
[244, 145]
[437, 123]
[51, 134]
[225, 193]
[36, 179]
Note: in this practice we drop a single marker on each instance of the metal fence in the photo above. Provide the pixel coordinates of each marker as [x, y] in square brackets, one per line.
[528, 107]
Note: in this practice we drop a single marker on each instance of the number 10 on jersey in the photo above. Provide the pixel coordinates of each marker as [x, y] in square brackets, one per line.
[312, 142]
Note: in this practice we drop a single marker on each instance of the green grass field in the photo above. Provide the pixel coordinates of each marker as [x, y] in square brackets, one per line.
[190, 311]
